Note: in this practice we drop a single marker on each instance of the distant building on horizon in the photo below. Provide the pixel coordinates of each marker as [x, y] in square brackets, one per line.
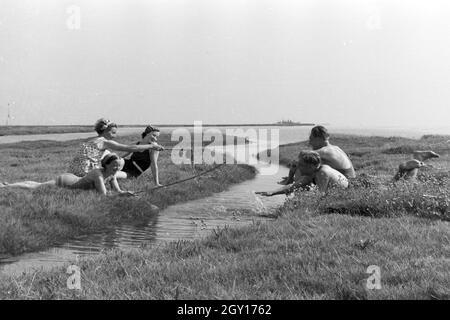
[292, 123]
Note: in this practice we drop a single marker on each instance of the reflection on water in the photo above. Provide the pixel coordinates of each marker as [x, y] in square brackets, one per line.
[237, 206]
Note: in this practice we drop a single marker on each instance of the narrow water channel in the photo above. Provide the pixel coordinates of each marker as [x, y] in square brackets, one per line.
[234, 207]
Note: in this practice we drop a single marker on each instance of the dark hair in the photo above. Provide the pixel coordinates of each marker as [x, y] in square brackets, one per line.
[102, 124]
[147, 130]
[108, 159]
[320, 132]
[310, 157]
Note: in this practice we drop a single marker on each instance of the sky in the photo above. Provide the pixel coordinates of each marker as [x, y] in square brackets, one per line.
[342, 62]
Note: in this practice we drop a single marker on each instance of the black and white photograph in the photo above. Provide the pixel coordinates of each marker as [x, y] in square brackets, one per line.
[246, 152]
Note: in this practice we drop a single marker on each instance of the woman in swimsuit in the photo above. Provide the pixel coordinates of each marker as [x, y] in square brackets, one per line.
[96, 179]
[139, 162]
[91, 152]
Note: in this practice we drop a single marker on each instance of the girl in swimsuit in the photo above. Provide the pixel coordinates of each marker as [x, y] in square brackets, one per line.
[96, 179]
[91, 152]
[139, 162]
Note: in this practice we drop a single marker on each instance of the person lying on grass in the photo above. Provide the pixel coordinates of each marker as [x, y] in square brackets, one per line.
[312, 172]
[330, 155]
[91, 152]
[139, 162]
[96, 179]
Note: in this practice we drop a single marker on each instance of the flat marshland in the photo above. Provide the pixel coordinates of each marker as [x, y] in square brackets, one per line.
[319, 247]
[57, 129]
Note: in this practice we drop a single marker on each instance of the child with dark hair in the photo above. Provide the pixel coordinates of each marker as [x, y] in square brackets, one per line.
[320, 132]
[96, 179]
[139, 162]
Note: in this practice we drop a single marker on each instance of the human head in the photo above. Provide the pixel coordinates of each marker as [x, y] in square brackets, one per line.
[318, 137]
[105, 128]
[151, 133]
[308, 162]
[112, 163]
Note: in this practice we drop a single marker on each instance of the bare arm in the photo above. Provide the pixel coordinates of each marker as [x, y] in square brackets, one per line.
[283, 190]
[300, 182]
[115, 184]
[130, 148]
[99, 183]
[154, 166]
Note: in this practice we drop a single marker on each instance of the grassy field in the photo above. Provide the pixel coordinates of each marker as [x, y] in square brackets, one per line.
[32, 220]
[19, 130]
[22, 130]
[319, 247]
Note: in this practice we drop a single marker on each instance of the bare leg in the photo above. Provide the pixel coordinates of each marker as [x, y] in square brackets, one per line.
[28, 184]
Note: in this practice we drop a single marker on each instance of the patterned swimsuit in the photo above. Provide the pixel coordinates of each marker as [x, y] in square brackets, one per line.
[88, 157]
